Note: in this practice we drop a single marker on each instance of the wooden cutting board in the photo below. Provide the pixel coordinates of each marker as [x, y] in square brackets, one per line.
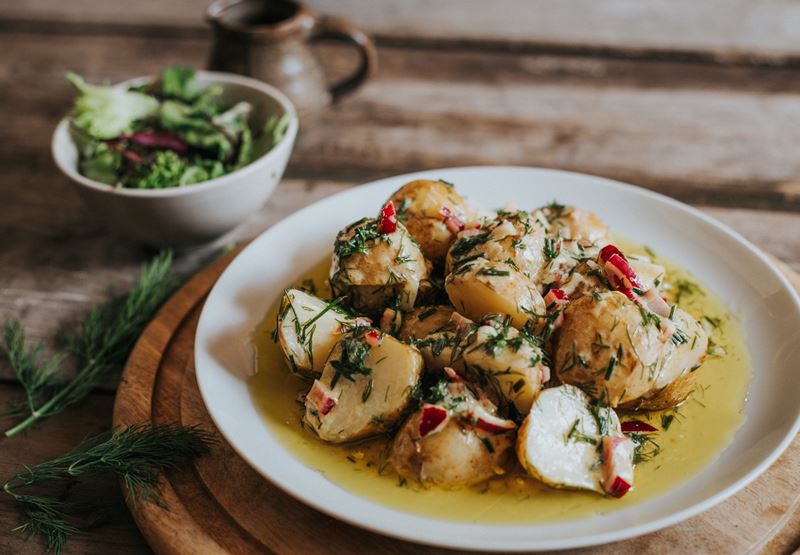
[220, 505]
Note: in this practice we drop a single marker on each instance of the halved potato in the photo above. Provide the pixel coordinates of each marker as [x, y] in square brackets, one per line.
[454, 453]
[423, 206]
[365, 387]
[566, 442]
[482, 287]
[377, 270]
[508, 362]
[308, 328]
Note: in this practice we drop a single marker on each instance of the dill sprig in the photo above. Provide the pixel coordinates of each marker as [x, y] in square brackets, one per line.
[138, 454]
[99, 347]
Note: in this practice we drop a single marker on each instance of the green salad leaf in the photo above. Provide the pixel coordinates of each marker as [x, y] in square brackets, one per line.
[169, 133]
[195, 130]
[179, 82]
[107, 112]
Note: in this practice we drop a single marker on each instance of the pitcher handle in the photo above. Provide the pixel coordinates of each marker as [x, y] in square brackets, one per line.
[334, 29]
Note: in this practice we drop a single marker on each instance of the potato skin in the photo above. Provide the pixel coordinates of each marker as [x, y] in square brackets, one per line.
[483, 287]
[667, 397]
[421, 321]
[444, 346]
[571, 222]
[453, 458]
[458, 455]
[677, 376]
[598, 329]
[419, 205]
[610, 347]
[382, 270]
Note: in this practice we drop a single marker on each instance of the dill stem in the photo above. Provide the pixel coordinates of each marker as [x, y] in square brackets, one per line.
[40, 412]
[22, 425]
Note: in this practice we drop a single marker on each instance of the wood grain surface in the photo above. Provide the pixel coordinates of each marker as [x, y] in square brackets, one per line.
[696, 100]
[222, 505]
[724, 30]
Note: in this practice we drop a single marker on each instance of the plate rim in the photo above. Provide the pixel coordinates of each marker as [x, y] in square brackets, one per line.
[519, 546]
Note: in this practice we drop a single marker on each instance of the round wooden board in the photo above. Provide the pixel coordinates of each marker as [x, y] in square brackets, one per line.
[221, 505]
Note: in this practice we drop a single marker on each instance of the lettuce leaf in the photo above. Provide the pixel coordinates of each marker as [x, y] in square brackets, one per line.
[179, 82]
[195, 131]
[107, 112]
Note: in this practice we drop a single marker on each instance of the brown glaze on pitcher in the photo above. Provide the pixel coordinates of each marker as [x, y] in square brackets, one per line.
[269, 40]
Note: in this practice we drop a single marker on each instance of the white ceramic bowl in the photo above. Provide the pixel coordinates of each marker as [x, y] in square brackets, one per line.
[195, 214]
[721, 259]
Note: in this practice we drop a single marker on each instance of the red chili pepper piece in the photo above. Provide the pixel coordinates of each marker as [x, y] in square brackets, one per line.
[387, 223]
[373, 338]
[607, 251]
[619, 488]
[432, 418]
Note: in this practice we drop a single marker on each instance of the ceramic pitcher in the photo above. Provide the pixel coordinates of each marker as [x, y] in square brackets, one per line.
[269, 40]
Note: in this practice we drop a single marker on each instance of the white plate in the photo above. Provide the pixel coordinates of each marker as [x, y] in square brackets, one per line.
[735, 270]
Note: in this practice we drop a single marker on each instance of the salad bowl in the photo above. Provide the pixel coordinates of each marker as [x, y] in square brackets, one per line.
[738, 273]
[194, 214]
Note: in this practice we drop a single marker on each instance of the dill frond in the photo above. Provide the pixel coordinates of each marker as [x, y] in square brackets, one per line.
[99, 347]
[138, 455]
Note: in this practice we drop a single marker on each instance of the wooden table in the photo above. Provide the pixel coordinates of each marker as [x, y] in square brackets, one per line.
[697, 101]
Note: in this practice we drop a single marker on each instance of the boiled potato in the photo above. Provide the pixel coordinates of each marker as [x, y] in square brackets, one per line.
[456, 451]
[444, 346]
[559, 440]
[514, 237]
[675, 379]
[607, 347]
[420, 322]
[621, 353]
[570, 222]
[423, 207]
[308, 328]
[482, 287]
[509, 362]
[377, 270]
[364, 388]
